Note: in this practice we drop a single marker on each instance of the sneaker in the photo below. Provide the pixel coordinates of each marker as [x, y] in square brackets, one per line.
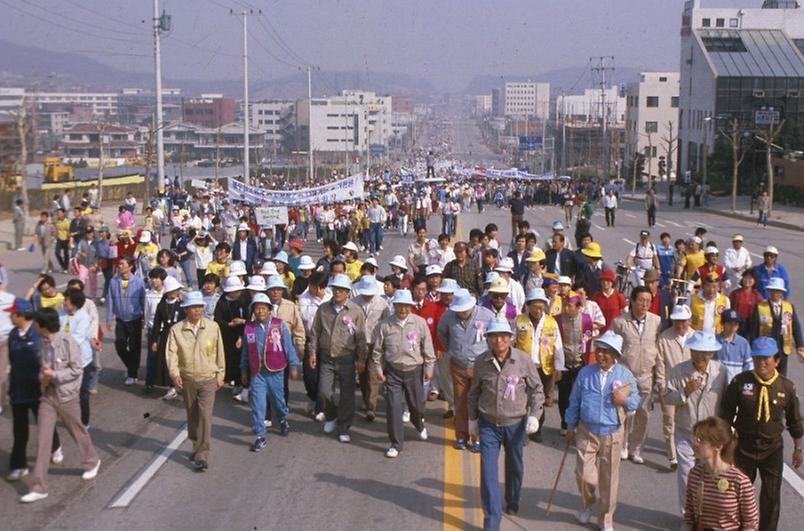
[391, 452]
[129, 381]
[406, 416]
[320, 417]
[92, 473]
[585, 516]
[475, 447]
[460, 444]
[624, 453]
[330, 425]
[171, 394]
[242, 396]
[17, 474]
[370, 416]
[636, 457]
[33, 497]
[236, 390]
[258, 445]
[267, 423]
[673, 463]
[201, 465]
[563, 431]
[423, 434]
[57, 457]
[344, 438]
[284, 428]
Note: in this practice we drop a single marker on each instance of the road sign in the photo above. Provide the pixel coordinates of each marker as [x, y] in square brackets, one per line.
[377, 149]
[530, 143]
[271, 216]
[766, 117]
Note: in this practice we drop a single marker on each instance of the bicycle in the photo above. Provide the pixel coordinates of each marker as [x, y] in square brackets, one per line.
[681, 290]
[623, 282]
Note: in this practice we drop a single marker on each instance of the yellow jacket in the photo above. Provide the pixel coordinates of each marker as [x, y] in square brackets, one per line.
[766, 323]
[524, 330]
[697, 307]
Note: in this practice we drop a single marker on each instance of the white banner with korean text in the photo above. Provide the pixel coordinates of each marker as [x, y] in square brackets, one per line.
[338, 191]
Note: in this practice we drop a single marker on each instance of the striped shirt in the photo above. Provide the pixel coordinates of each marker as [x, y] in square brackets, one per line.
[734, 507]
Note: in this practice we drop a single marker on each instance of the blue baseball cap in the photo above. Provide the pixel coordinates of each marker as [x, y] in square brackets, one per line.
[731, 316]
[764, 347]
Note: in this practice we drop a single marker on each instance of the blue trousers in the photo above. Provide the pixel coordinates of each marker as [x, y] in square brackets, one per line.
[512, 439]
[270, 385]
[375, 237]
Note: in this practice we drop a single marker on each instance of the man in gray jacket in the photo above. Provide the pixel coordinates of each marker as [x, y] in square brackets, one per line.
[462, 332]
[404, 358]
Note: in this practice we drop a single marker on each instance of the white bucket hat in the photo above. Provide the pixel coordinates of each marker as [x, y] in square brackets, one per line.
[399, 261]
[232, 283]
[306, 263]
[171, 284]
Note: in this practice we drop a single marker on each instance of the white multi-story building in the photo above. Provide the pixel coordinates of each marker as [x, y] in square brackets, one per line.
[352, 121]
[102, 104]
[11, 98]
[585, 109]
[735, 62]
[527, 99]
[651, 121]
[272, 117]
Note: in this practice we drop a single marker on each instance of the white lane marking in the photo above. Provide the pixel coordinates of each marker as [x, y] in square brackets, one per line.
[629, 215]
[756, 255]
[598, 227]
[674, 223]
[794, 479]
[702, 224]
[128, 495]
[660, 224]
[629, 242]
[542, 209]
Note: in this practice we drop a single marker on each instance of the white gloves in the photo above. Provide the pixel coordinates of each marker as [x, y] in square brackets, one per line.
[532, 426]
[474, 430]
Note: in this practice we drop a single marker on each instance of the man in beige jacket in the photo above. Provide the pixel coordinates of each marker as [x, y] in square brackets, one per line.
[639, 329]
[672, 351]
[196, 364]
[376, 310]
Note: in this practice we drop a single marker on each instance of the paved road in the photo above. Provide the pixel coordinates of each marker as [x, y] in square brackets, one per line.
[309, 479]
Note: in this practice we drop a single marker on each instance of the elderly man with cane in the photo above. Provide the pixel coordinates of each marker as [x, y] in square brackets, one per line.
[603, 394]
[505, 402]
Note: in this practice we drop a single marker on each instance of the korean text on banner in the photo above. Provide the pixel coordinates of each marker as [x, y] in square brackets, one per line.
[342, 190]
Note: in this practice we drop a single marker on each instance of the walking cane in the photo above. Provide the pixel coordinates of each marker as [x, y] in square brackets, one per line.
[558, 476]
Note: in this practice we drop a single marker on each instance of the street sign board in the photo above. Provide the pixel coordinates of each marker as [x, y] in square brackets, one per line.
[766, 117]
[530, 143]
[377, 149]
[271, 216]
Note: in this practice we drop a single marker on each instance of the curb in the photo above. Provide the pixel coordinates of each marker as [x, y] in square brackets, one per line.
[743, 217]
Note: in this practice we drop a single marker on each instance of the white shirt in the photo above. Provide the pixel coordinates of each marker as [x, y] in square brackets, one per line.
[610, 201]
[604, 376]
[445, 256]
[536, 341]
[737, 261]
[243, 249]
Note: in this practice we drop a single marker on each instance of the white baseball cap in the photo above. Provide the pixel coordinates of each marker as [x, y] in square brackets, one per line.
[433, 269]
[770, 249]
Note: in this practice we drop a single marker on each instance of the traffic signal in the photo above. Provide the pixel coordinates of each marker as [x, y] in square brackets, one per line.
[662, 166]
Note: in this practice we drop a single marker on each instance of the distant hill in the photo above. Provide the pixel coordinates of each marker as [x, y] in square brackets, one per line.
[573, 79]
[20, 65]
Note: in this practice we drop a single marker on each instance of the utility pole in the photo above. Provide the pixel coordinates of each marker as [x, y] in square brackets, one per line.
[22, 161]
[246, 166]
[706, 127]
[101, 127]
[600, 67]
[311, 170]
[148, 155]
[768, 139]
[161, 23]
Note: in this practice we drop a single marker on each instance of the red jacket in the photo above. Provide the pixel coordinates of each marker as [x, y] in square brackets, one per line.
[744, 301]
[431, 312]
[611, 306]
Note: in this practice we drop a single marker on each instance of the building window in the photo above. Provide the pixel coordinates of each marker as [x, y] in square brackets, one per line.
[674, 102]
[662, 79]
[734, 23]
[653, 101]
[720, 23]
[706, 23]
[651, 127]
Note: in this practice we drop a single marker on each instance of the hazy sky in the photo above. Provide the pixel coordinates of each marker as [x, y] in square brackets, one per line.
[446, 41]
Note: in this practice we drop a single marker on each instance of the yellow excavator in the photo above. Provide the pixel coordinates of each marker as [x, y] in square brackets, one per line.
[56, 172]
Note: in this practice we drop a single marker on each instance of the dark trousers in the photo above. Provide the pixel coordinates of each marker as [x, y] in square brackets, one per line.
[63, 253]
[651, 216]
[310, 377]
[564, 389]
[512, 439]
[83, 395]
[403, 387]
[548, 382]
[151, 358]
[338, 372]
[609, 217]
[199, 274]
[783, 358]
[770, 472]
[369, 385]
[128, 343]
[19, 412]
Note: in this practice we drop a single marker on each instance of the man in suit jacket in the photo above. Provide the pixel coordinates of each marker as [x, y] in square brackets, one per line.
[46, 237]
[244, 247]
[560, 260]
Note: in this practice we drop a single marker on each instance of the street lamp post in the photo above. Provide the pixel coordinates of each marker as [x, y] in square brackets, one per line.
[707, 120]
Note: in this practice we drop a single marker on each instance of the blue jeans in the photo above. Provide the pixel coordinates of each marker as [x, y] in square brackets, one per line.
[189, 274]
[375, 237]
[270, 386]
[512, 438]
[86, 379]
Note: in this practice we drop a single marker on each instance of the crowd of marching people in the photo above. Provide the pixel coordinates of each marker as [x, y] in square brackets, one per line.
[499, 331]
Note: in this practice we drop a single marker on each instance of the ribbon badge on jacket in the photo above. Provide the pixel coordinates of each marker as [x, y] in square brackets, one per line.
[350, 324]
[411, 341]
[480, 331]
[585, 340]
[510, 387]
[276, 339]
[787, 317]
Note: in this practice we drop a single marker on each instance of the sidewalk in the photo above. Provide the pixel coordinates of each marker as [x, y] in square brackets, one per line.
[784, 217]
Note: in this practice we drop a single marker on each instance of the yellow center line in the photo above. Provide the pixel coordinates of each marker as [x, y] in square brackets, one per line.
[453, 480]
